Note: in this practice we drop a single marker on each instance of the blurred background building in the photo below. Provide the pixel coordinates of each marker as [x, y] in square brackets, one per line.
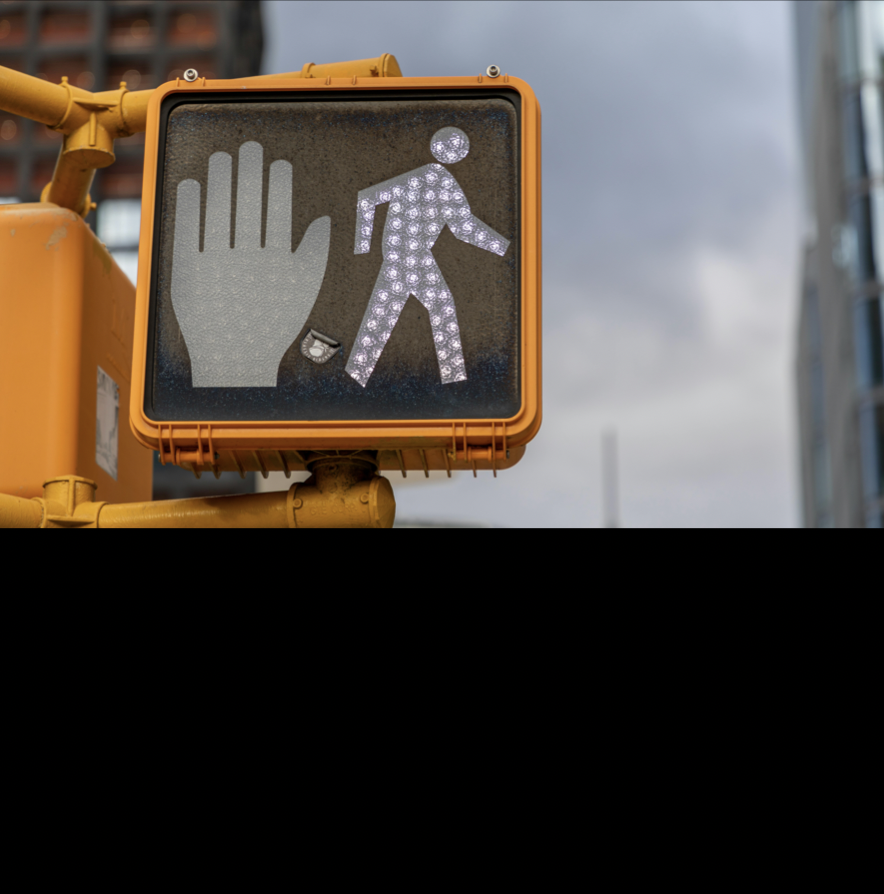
[840, 356]
[97, 44]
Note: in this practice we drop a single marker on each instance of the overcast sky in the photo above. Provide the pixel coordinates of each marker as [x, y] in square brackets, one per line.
[671, 234]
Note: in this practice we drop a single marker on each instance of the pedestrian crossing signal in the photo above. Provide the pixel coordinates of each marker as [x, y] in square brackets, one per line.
[340, 264]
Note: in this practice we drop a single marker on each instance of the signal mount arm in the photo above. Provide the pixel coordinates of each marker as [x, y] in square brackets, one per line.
[91, 122]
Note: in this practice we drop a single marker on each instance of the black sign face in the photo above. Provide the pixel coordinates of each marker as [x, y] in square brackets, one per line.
[353, 257]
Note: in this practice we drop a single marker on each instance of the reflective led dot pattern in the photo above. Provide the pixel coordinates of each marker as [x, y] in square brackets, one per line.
[421, 202]
[450, 145]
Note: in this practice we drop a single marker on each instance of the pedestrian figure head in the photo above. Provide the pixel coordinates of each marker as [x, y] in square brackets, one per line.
[449, 145]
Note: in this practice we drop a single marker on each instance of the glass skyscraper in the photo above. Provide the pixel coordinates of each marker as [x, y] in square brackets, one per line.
[840, 358]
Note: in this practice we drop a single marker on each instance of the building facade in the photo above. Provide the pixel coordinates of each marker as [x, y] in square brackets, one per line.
[840, 346]
[97, 44]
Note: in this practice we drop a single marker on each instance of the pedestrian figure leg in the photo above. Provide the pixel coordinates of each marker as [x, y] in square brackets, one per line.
[380, 317]
[439, 302]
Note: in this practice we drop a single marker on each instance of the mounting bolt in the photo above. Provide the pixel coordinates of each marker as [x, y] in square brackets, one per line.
[298, 503]
[192, 74]
[493, 71]
[364, 498]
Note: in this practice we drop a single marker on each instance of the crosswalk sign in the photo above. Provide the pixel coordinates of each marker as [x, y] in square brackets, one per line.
[340, 264]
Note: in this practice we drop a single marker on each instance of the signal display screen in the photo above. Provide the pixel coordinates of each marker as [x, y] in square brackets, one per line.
[354, 257]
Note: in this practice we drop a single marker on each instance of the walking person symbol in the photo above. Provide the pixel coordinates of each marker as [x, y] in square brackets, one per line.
[422, 202]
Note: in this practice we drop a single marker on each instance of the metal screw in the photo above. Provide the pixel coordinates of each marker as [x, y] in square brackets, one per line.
[493, 71]
[298, 503]
[364, 498]
[192, 74]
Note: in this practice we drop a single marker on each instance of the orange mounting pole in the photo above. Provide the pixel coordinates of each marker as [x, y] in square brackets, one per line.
[91, 122]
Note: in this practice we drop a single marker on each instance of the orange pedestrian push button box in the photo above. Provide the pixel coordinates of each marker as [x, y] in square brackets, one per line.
[66, 354]
[340, 264]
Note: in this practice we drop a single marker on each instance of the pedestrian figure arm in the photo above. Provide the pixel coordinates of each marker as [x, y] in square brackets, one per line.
[474, 232]
[366, 202]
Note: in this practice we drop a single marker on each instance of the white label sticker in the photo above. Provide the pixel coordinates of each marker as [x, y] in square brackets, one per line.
[107, 424]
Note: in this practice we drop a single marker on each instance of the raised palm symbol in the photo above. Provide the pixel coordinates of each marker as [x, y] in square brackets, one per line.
[241, 308]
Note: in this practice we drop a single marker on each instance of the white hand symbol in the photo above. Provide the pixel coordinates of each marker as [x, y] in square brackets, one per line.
[241, 308]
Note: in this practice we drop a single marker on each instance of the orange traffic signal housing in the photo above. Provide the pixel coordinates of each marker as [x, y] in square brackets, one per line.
[66, 354]
[203, 140]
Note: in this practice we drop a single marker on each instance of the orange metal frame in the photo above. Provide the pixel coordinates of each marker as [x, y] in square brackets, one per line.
[67, 309]
[420, 445]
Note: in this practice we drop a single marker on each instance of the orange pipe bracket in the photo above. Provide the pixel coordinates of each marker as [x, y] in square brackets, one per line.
[91, 122]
